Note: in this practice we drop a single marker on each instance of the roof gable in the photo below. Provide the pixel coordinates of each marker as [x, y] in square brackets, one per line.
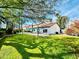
[41, 25]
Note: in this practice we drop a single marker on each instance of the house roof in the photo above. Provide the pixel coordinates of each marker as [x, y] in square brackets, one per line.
[42, 25]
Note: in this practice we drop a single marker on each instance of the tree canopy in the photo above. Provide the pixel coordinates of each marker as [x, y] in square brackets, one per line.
[33, 8]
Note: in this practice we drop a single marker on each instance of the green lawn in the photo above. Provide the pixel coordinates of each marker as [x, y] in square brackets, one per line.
[22, 46]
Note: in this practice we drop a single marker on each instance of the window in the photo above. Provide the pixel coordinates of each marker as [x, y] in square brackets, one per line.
[33, 29]
[45, 31]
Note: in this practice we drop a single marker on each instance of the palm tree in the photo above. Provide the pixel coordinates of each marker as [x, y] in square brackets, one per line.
[61, 21]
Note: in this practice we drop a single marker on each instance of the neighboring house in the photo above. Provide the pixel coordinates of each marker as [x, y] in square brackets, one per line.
[44, 28]
[2, 25]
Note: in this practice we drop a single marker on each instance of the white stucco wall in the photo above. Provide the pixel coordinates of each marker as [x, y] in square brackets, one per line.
[53, 29]
[50, 30]
[35, 30]
[41, 30]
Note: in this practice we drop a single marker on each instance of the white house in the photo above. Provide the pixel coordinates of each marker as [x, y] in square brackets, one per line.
[45, 28]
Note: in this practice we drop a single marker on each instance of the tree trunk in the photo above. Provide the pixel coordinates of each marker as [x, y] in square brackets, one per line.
[9, 28]
[38, 30]
[60, 31]
[21, 28]
[32, 28]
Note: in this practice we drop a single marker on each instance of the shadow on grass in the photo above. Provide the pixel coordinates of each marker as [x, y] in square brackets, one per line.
[2, 41]
[26, 55]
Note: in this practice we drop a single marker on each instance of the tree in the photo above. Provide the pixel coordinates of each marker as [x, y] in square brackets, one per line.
[73, 28]
[61, 21]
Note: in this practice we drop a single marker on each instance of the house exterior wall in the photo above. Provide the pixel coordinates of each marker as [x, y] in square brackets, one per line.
[34, 30]
[41, 30]
[50, 30]
[53, 29]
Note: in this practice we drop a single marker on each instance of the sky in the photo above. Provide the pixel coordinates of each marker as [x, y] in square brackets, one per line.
[69, 8]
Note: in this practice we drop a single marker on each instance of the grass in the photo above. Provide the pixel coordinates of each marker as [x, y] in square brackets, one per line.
[23, 46]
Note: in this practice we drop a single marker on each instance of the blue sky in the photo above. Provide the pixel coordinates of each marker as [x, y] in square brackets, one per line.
[69, 8]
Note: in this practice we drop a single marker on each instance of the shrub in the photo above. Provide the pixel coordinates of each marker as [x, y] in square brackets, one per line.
[2, 32]
[17, 31]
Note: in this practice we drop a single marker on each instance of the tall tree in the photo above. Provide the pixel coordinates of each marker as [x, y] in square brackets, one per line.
[61, 21]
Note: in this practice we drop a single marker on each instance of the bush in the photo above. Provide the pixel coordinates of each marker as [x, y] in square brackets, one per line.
[17, 31]
[9, 31]
[2, 32]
